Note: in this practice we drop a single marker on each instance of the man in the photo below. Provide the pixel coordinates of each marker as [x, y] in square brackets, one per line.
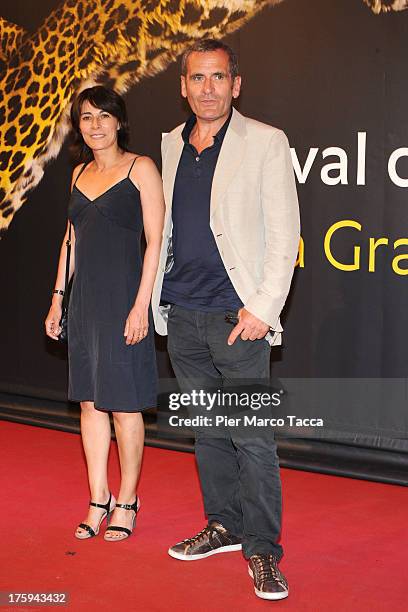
[230, 244]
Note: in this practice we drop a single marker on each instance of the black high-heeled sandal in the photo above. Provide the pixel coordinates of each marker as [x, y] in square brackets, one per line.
[91, 533]
[135, 507]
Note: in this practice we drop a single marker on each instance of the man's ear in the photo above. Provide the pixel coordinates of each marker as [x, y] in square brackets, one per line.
[236, 87]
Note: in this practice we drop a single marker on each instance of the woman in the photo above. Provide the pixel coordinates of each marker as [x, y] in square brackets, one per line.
[112, 363]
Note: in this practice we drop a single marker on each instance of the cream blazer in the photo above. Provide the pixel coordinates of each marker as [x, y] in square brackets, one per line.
[254, 217]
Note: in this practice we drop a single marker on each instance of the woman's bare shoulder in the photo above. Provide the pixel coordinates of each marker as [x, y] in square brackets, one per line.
[143, 164]
[144, 173]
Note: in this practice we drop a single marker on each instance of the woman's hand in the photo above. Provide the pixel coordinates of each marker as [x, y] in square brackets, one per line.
[52, 322]
[136, 325]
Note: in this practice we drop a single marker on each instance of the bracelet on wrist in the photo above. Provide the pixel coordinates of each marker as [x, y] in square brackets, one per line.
[58, 291]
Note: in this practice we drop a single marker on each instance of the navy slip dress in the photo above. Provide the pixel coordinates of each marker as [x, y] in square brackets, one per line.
[108, 265]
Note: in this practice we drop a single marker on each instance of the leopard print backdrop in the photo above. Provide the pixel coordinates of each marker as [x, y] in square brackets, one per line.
[85, 42]
[383, 6]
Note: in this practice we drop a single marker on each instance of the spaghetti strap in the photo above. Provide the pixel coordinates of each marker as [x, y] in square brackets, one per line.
[80, 172]
[133, 163]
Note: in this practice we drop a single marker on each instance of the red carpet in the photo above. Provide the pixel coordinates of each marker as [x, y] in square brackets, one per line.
[346, 540]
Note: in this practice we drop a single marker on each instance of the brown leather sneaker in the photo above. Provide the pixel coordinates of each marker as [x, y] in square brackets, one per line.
[211, 540]
[269, 582]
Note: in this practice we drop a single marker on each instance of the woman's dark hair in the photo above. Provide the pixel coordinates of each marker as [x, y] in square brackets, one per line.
[108, 100]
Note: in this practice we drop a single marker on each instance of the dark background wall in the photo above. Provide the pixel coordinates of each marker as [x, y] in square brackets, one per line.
[322, 71]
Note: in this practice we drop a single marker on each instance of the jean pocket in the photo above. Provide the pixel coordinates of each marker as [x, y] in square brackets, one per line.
[231, 317]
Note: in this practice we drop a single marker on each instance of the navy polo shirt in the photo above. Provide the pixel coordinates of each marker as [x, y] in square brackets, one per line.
[197, 278]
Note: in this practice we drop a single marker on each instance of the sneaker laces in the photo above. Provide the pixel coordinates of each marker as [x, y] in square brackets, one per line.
[267, 568]
[199, 536]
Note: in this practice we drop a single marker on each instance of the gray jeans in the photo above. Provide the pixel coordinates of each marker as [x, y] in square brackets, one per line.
[239, 474]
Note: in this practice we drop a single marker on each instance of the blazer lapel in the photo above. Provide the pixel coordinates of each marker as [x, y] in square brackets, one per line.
[170, 164]
[229, 159]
